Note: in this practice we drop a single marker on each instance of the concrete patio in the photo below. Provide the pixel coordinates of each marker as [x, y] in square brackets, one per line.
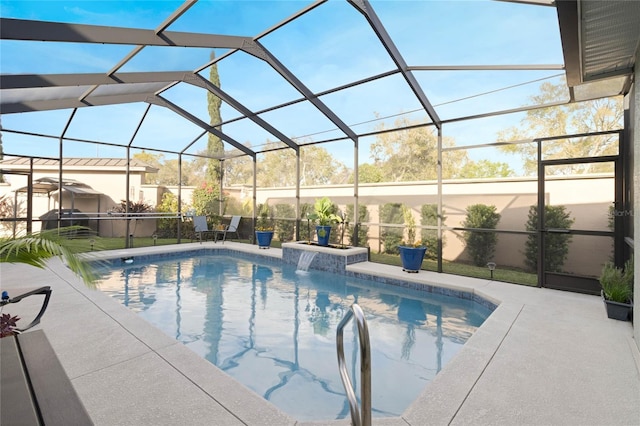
[544, 357]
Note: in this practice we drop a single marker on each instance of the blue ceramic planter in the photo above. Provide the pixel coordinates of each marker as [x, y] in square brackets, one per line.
[411, 258]
[323, 234]
[264, 238]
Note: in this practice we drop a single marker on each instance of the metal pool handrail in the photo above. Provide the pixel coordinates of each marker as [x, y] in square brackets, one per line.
[358, 417]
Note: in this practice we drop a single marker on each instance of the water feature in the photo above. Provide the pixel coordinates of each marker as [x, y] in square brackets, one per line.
[330, 259]
[306, 257]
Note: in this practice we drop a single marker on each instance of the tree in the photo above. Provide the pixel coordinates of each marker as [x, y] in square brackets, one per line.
[154, 160]
[583, 117]
[168, 169]
[276, 168]
[206, 198]
[215, 147]
[411, 154]
[481, 245]
[194, 170]
[485, 169]
[317, 167]
[168, 173]
[556, 245]
[368, 173]
[239, 170]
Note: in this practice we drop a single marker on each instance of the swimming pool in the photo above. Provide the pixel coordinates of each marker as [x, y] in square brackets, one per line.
[273, 329]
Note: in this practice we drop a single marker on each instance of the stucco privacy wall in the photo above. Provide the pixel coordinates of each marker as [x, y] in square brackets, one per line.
[586, 198]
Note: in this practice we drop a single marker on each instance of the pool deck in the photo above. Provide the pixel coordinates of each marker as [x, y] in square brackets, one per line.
[544, 357]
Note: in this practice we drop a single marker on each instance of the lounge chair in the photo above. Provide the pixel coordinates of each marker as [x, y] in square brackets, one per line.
[201, 228]
[232, 228]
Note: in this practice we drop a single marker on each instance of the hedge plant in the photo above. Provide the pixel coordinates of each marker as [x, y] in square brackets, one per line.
[556, 246]
[285, 224]
[429, 217]
[168, 228]
[391, 237]
[481, 245]
[363, 230]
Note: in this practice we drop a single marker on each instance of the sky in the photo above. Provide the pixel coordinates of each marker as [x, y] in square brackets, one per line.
[328, 47]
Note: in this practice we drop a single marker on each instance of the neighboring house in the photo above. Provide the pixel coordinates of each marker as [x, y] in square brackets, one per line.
[91, 185]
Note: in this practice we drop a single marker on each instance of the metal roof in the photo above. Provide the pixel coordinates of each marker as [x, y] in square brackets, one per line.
[69, 163]
[599, 41]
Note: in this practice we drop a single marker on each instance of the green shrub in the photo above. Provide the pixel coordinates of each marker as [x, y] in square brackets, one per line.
[134, 207]
[167, 228]
[206, 201]
[264, 219]
[481, 245]
[391, 237]
[556, 246]
[429, 217]
[286, 223]
[617, 284]
[363, 230]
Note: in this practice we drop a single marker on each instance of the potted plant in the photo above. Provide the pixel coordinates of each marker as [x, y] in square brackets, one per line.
[617, 290]
[411, 251]
[325, 217]
[264, 226]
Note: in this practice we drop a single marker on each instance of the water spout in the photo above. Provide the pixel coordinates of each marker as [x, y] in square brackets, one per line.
[306, 257]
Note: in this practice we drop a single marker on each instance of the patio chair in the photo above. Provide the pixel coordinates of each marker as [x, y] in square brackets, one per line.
[232, 228]
[201, 228]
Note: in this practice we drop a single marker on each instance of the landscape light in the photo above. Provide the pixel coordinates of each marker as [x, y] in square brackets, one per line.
[492, 267]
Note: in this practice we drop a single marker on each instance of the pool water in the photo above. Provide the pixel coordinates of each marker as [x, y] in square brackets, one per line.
[273, 328]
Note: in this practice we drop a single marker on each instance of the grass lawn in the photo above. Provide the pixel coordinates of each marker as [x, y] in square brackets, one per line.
[456, 268]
